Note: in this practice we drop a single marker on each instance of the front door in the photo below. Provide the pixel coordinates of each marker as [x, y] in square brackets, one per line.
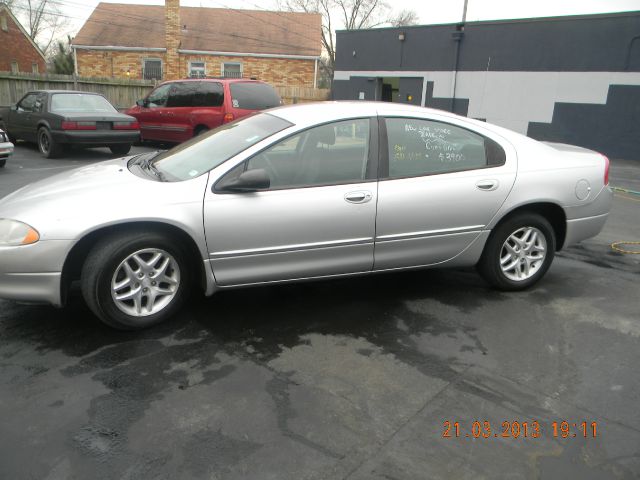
[316, 219]
[440, 185]
[20, 118]
[152, 113]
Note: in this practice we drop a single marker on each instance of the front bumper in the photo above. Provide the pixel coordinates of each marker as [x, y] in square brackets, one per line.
[33, 273]
[6, 150]
[96, 137]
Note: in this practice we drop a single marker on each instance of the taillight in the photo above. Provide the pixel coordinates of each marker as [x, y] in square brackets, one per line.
[228, 117]
[606, 169]
[126, 126]
[78, 125]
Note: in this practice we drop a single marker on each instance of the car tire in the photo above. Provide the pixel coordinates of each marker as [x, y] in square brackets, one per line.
[518, 252]
[48, 147]
[3, 162]
[120, 149]
[199, 131]
[126, 289]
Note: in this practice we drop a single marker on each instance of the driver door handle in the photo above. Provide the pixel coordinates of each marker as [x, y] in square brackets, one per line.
[361, 196]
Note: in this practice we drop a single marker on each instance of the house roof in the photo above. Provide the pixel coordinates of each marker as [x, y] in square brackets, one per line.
[204, 29]
[4, 8]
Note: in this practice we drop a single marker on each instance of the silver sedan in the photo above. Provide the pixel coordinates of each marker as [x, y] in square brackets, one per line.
[296, 193]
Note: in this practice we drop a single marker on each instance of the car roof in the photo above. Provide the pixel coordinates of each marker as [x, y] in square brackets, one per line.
[317, 112]
[216, 79]
[64, 91]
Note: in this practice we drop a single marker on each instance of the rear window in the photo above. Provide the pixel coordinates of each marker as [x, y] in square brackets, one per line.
[253, 96]
[79, 102]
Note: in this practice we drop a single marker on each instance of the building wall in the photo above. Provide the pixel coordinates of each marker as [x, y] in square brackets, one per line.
[574, 80]
[14, 46]
[276, 71]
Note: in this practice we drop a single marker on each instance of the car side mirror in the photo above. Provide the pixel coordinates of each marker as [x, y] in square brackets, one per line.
[141, 102]
[249, 181]
[14, 107]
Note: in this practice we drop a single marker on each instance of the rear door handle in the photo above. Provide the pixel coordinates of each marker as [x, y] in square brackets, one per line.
[487, 185]
[361, 196]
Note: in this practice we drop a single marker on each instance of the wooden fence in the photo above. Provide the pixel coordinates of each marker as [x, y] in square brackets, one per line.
[121, 93]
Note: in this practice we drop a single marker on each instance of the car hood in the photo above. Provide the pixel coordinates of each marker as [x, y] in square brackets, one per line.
[64, 205]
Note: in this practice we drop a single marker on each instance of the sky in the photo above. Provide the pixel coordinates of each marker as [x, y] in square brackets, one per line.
[429, 11]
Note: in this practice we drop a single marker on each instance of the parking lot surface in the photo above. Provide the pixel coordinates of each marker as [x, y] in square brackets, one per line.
[331, 380]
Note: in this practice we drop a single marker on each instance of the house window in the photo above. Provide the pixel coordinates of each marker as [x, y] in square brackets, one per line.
[232, 70]
[3, 24]
[34, 67]
[152, 69]
[197, 70]
[14, 67]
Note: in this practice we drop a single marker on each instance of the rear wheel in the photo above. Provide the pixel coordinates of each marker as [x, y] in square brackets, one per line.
[120, 149]
[518, 252]
[132, 281]
[48, 147]
[3, 162]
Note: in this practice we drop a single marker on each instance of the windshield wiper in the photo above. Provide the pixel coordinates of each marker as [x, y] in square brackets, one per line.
[146, 163]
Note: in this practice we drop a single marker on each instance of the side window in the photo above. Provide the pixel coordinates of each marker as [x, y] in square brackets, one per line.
[27, 104]
[41, 99]
[329, 154]
[159, 97]
[181, 94]
[424, 147]
[209, 94]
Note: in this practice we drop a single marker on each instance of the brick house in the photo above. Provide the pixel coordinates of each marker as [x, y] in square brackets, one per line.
[18, 53]
[170, 42]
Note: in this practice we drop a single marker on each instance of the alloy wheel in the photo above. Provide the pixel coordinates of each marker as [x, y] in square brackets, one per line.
[145, 282]
[523, 253]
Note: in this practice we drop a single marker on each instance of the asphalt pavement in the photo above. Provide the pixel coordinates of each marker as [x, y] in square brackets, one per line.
[352, 378]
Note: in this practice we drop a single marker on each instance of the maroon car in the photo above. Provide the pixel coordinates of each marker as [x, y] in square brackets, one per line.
[178, 110]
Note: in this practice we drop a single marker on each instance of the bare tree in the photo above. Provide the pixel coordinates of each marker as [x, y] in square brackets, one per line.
[43, 20]
[404, 18]
[342, 14]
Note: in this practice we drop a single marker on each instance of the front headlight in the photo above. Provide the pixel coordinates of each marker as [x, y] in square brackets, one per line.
[14, 233]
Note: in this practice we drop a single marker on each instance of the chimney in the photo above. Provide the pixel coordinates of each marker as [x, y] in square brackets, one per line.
[172, 39]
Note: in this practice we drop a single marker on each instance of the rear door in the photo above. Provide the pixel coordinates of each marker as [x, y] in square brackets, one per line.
[208, 104]
[176, 117]
[441, 183]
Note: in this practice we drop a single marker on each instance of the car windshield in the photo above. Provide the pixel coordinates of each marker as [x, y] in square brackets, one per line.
[80, 102]
[253, 96]
[205, 152]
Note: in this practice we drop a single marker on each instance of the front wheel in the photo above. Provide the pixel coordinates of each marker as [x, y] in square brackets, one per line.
[518, 253]
[133, 281]
[3, 162]
[120, 149]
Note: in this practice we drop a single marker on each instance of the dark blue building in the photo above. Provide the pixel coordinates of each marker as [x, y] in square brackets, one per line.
[565, 79]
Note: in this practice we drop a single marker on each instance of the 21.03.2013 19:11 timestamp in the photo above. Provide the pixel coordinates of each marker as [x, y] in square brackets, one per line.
[516, 429]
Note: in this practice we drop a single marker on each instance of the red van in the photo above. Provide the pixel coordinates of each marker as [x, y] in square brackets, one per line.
[178, 110]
